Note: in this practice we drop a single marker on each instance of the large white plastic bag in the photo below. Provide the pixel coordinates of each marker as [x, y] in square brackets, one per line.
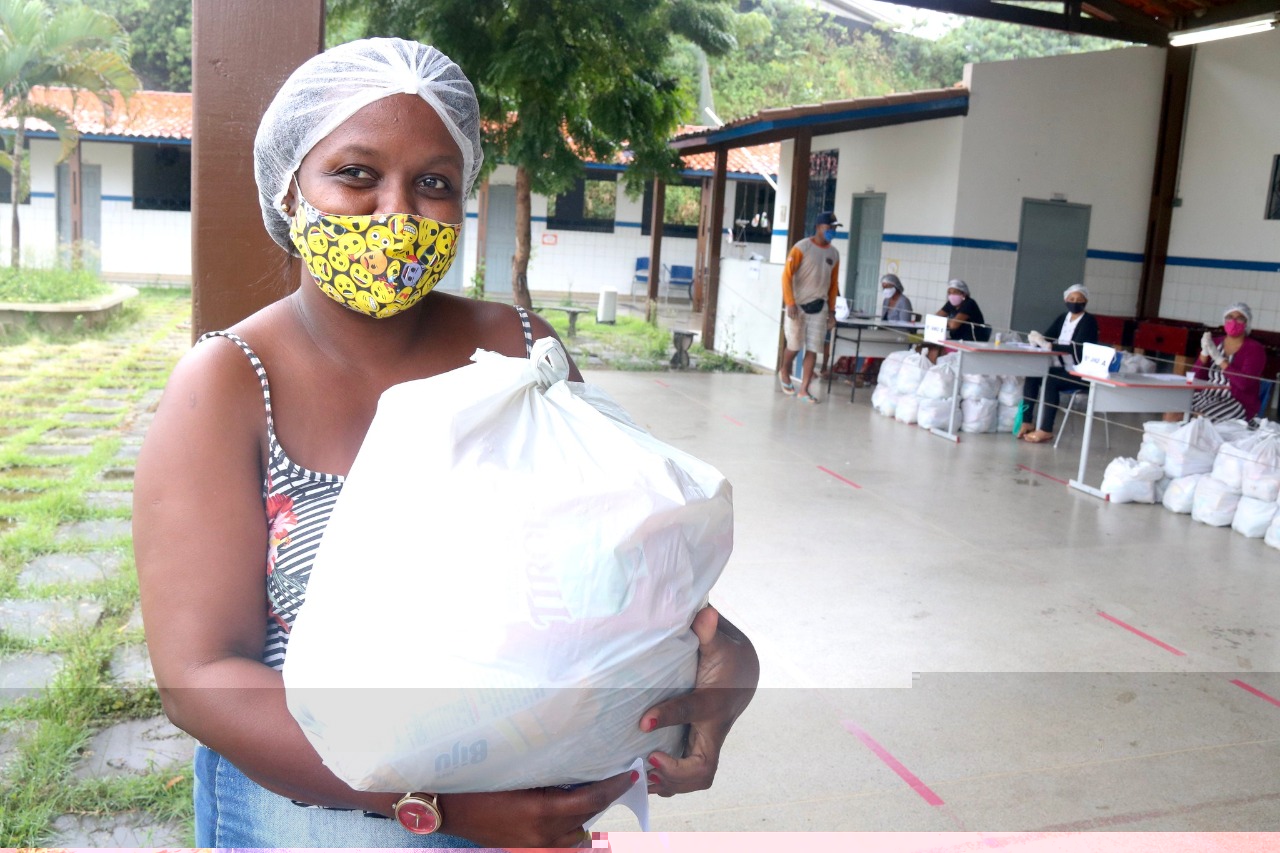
[1191, 448]
[1260, 478]
[884, 400]
[1130, 481]
[1253, 517]
[933, 414]
[1214, 503]
[890, 366]
[975, 386]
[910, 373]
[1228, 465]
[908, 406]
[1010, 393]
[938, 383]
[505, 586]
[1006, 415]
[1155, 441]
[1180, 494]
[979, 415]
[1272, 536]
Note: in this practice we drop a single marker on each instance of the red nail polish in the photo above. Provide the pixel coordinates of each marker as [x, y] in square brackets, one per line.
[635, 776]
[654, 761]
[649, 724]
[654, 780]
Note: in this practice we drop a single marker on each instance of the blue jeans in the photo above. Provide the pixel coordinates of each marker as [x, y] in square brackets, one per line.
[234, 811]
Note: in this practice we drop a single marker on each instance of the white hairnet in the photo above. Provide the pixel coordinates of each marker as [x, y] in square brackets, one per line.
[329, 88]
[958, 284]
[1243, 309]
[1076, 288]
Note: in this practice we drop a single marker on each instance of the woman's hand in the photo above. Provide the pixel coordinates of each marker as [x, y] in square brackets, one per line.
[728, 671]
[540, 817]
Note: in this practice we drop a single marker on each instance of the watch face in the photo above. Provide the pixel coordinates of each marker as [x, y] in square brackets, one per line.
[418, 817]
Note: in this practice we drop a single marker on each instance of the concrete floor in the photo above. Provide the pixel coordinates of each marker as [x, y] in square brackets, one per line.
[953, 640]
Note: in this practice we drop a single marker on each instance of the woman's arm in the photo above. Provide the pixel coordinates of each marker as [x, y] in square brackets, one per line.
[728, 672]
[200, 538]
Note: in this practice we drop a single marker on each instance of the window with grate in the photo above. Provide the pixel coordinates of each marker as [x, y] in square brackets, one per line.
[161, 177]
[590, 205]
[681, 209]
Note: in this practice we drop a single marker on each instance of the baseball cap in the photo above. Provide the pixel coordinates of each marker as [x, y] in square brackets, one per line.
[827, 218]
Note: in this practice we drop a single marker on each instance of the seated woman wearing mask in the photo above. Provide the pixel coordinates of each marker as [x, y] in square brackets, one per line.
[1067, 335]
[895, 307]
[372, 142]
[1234, 359]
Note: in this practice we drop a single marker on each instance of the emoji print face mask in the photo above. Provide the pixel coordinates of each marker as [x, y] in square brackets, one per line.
[378, 264]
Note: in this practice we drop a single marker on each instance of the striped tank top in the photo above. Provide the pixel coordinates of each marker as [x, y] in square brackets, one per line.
[298, 502]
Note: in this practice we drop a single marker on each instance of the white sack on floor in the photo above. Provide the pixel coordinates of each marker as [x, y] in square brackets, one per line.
[1161, 485]
[979, 415]
[1272, 536]
[1006, 416]
[890, 366]
[1191, 448]
[1130, 481]
[934, 414]
[1180, 494]
[938, 383]
[1155, 441]
[505, 585]
[974, 386]
[1253, 517]
[908, 404]
[884, 400]
[1010, 393]
[911, 373]
[1228, 465]
[1215, 503]
[1260, 478]
[1233, 430]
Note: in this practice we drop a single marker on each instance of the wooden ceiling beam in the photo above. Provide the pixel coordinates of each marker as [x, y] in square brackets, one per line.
[1143, 32]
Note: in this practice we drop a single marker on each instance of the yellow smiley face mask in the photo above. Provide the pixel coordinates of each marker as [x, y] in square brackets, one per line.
[378, 264]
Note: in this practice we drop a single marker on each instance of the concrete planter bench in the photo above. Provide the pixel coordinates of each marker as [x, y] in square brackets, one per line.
[61, 316]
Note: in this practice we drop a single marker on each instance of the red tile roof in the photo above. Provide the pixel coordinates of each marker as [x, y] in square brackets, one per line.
[167, 115]
[147, 115]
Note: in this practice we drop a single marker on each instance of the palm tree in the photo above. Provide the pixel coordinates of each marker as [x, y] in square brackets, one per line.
[71, 46]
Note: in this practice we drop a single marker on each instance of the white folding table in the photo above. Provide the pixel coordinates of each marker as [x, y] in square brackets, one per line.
[1132, 392]
[870, 338]
[991, 359]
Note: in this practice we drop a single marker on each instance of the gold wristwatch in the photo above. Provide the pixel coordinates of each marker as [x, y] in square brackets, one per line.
[419, 813]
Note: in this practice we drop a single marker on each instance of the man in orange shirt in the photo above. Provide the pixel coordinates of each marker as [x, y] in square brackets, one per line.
[809, 292]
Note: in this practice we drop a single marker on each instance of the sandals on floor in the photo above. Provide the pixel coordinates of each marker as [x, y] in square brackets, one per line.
[787, 387]
[1037, 437]
[808, 398]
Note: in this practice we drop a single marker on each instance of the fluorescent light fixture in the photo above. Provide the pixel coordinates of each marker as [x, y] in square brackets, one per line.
[1222, 31]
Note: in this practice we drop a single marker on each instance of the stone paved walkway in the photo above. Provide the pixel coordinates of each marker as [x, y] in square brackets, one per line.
[76, 413]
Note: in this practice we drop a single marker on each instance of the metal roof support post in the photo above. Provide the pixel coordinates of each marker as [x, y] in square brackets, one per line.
[715, 244]
[795, 215]
[1164, 182]
[658, 213]
[242, 50]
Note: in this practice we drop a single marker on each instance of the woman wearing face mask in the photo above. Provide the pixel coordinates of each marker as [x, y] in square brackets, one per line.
[895, 307]
[363, 161]
[1235, 359]
[1066, 335]
[964, 317]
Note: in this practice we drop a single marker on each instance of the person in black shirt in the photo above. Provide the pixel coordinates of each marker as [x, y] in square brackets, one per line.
[964, 318]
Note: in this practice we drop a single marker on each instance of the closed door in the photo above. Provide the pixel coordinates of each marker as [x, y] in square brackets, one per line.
[91, 212]
[866, 234]
[1052, 243]
[500, 239]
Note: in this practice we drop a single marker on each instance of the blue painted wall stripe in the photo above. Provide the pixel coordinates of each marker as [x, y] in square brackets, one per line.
[1224, 264]
[959, 242]
[127, 198]
[1103, 255]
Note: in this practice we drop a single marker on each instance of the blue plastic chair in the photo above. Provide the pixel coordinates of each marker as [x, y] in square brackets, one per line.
[681, 276]
[641, 275]
[1264, 396]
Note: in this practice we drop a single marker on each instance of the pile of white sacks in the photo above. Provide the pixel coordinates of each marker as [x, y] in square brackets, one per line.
[1221, 474]
[913, 391]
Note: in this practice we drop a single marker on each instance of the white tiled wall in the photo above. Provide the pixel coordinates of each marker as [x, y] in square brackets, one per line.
[1200, 294]
[1113, 286]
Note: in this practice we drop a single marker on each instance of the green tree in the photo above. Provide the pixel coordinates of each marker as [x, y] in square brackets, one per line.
[159, 39]
[72, 46]
[561, 80]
